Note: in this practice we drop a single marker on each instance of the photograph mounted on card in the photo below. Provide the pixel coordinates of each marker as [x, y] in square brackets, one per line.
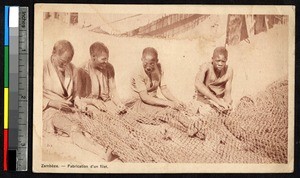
[163, 88]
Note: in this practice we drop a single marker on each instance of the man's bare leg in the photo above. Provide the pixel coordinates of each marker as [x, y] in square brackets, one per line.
[87, 144]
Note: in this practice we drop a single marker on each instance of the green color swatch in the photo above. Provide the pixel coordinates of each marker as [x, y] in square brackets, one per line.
[6, 66]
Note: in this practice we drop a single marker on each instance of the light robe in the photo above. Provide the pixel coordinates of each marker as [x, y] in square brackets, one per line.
[56, 89]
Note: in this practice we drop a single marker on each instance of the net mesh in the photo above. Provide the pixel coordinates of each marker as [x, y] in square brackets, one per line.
[261, 122]
[255, 132]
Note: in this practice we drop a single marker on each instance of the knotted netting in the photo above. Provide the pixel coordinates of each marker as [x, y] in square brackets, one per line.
[261, 122]
[255, 132]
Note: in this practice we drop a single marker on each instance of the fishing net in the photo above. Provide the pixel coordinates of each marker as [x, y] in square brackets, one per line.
[261, 122]
[255, 132]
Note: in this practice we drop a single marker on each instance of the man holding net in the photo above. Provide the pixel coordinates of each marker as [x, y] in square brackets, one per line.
[145, 83]
[61, 115]
[151, 109]
[213, 83]
[97, 81]
[97, 88]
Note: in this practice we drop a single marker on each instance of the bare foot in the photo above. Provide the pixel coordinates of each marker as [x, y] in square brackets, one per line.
[109, 156]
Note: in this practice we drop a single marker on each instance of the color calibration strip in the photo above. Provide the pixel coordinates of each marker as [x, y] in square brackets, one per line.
[13, 86]
[15, 89]
[6, 89]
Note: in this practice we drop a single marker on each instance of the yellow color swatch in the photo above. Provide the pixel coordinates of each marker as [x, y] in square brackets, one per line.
[6, 108]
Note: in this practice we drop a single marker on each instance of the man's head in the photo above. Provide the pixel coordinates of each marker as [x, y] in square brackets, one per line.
[219, 58]
[62, 54]
[99, 55]
[150, 59]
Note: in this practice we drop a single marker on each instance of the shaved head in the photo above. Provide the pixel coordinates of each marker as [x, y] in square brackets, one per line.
[62, 54]
[220, 51]
[219, 58]
[97, 48]
[150, 60]
[62, 46]
[99, 54]
[149, 51]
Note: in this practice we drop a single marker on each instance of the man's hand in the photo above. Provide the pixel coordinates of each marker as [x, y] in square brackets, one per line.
[99, 105]
[121, 108]
[61, 105]
[230, 106]
[81, 105]
[180, 104]
[177, 105]
[224, 106]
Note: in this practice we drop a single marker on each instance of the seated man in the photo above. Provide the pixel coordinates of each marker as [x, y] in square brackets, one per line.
[213, 82]
[145, 83]
[97, 85]
[58, 97]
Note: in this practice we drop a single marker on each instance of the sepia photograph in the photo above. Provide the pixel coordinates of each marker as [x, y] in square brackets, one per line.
[163, 88]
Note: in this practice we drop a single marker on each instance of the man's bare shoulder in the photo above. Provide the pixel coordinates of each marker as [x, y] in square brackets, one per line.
[72, 66]
[83, 65]
[82, 71]
[160, 68]
[110, 70]
[110, 67]
[230, 70]
[205, 66]
[138, 71]
[46, 62]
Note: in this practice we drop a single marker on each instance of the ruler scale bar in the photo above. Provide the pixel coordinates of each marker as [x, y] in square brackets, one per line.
[23, 83]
